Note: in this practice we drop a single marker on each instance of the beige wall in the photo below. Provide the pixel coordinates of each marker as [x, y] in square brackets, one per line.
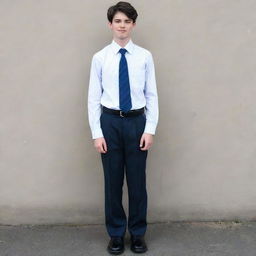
[202, 165]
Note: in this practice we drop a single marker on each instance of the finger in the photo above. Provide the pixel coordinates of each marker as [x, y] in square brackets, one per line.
[148, 144]
[142, 141]
[145, 146]
[104, 146]
[100, 148]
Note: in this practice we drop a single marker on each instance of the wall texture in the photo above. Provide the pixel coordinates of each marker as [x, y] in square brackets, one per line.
[203, 161]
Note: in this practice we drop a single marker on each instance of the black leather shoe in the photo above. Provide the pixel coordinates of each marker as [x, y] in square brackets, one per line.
[138, 244]
[116, 245]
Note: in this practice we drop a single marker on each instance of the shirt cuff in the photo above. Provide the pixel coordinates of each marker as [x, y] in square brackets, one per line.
[150, 128]
[97, 134]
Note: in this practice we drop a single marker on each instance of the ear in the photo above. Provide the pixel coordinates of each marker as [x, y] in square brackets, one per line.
[110, 25]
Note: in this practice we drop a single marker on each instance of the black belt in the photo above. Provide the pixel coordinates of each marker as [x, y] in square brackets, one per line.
[134, 112]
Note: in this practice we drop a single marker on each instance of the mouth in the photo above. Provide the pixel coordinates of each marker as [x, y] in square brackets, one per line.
[121, 30]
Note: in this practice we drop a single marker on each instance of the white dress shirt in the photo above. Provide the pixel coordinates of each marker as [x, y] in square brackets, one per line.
[104, 84]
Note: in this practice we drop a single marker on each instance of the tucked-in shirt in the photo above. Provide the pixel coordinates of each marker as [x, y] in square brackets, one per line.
[104, 84]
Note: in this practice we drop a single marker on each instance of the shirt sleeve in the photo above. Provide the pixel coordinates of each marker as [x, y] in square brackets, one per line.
[94, 98]
[150, 92]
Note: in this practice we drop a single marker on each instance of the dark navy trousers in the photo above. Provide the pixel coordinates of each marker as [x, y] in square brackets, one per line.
[124, 156]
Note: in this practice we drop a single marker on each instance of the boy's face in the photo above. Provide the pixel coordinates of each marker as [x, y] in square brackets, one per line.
[121, 26]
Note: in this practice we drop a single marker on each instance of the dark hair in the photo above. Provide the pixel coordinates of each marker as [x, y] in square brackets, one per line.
[124, 7]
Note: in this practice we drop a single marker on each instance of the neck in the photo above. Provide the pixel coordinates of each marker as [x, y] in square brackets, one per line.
[121, 42]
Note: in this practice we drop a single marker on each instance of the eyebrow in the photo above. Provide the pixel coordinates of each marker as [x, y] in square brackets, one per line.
[125, 20]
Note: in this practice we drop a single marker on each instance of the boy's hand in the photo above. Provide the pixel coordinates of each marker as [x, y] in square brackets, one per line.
[146, 141]
[100, 145]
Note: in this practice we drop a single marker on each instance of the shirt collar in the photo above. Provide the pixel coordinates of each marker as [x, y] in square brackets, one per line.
[116, 47]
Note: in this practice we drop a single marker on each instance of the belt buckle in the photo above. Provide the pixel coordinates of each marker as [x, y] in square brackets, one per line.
[120, 113]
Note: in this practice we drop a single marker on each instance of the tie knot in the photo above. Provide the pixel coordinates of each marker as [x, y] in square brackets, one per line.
[122, 51]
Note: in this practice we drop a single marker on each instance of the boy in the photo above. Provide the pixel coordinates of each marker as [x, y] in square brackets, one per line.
[123, 115]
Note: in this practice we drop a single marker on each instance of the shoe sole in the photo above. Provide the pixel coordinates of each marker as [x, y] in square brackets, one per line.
[138, 251]
[115, 253]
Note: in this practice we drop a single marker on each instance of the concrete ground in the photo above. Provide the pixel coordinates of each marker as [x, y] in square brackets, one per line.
[170, 239]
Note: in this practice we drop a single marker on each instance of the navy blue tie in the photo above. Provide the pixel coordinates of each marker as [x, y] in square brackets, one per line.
[124, 85]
